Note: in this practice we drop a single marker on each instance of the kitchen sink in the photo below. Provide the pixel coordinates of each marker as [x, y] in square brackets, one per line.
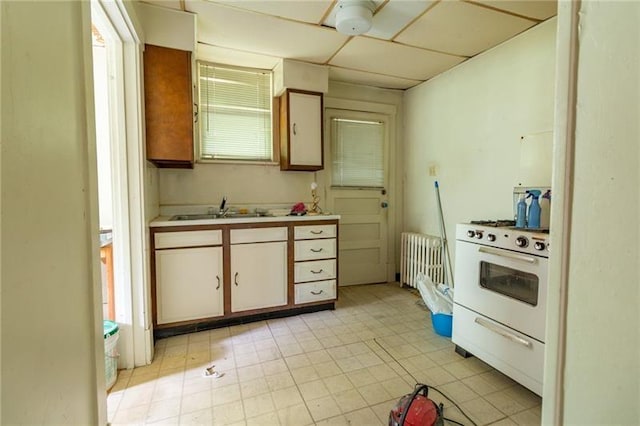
[217, 216]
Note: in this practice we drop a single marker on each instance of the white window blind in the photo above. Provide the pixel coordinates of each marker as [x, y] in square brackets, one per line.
[235, 113]
[358, 153]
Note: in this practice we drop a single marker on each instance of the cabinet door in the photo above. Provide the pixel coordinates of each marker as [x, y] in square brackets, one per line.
[168, 106]
[303, 116]
[189, 284]
[258, 275]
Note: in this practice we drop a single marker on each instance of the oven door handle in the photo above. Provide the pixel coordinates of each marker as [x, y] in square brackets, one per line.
[496, 329]
[504, 253]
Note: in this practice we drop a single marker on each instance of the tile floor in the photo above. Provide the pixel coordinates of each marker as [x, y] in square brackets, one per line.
[343, 367]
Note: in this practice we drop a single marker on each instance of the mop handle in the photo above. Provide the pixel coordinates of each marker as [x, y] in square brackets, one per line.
[443, 232]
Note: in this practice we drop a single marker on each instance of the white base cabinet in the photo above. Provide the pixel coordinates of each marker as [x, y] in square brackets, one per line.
[189, 284]
[258, 275]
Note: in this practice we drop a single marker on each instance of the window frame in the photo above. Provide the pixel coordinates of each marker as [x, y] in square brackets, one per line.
[275, 120]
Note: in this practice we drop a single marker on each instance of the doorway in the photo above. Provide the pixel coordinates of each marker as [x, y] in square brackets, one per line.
[357, 188]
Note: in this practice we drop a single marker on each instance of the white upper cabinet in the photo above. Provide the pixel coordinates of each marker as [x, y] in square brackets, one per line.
[301, 131]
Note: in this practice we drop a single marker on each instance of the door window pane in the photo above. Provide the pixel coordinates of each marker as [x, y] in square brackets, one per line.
[357, 153]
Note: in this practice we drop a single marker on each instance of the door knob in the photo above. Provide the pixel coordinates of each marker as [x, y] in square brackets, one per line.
[384, 204]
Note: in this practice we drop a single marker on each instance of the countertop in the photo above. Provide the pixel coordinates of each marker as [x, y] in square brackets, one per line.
[163, 221]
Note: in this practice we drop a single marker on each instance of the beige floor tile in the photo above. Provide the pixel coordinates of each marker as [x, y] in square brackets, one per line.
[374, 393]
[268, 419]
[250, 372]
[323, 408]
[327, 369]
[228, 413]
[509, 422]
[170, 421]
[163, 409]
[134, 398]
[258, 405]
[481, 411]
[173, 351]
[334, 421]
[457, 392]
[180, 340]
[361, 377]
[286, 397]
[279, 381]
[275, 366]
[382, 372]
[349, 400]
[202, 417]
[196, 402]
[135, 415]
[196, 385]
[311, 345]
[330, 342]
[290, 349]
[349, 364]
[396, 387]
[338, 383]
[382, 410]
[228, 377]
[297, 361]
[528, 417]
[304, 374]
[364, 417]
[269, 354]
[244, 348]
[313, 390]
[296, 415]
[226, 394]
[198, 346]
[254, 387]
[247, 359]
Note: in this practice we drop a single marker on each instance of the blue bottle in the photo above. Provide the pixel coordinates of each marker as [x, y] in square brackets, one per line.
[534, 209]
[521, 213]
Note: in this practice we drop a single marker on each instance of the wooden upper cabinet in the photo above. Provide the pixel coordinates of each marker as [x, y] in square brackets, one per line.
[169, 110]
[301, 131]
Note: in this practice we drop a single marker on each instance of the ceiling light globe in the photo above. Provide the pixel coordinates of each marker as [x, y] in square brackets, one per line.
[354, 18]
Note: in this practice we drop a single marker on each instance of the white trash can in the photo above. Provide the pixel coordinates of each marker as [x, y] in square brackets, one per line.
[111, 334]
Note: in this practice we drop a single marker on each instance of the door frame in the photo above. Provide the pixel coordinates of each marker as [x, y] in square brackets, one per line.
[131, 268]
[394, 209]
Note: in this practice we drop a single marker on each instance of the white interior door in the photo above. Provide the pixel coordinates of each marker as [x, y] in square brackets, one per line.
[356, 181]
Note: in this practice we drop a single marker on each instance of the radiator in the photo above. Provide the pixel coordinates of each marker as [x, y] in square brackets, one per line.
[421, 253]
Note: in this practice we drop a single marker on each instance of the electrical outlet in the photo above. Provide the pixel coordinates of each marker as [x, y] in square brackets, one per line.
[433, 170]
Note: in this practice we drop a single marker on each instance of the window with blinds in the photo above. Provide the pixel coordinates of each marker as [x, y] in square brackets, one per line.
[358, 153]
[235, 113]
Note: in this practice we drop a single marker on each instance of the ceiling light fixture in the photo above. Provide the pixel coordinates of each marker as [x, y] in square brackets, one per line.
[354, 16]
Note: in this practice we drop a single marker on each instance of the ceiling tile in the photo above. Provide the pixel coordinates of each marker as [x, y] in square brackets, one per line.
[392, 59]
[307, 11]
[171, 4]
[537, 9]
[222, 55]
[395, 15]
[368, 79]
[462, 28]
[223, 26]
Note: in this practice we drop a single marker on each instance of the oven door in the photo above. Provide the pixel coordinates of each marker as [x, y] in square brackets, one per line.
[506, 286]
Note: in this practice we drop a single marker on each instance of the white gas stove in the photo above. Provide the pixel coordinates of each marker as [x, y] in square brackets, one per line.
[500, 297]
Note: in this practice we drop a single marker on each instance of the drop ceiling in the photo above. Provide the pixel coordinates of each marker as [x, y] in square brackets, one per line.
[410, 41]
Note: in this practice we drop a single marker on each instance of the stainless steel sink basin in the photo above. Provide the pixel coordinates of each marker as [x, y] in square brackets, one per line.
[194, 216]
[216, 216]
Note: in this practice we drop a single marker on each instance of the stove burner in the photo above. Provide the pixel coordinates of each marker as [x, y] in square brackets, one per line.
[494, 223]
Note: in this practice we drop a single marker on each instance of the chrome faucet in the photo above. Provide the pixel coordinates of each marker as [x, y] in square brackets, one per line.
[223, 211]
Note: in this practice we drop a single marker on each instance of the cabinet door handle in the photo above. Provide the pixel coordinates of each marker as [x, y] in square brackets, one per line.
[316, 293]
[317, 232]
[218, 278]
[235, 279]
[316, 250]
[316, 272]
[501, 332]
[295, 129]
[195, 114]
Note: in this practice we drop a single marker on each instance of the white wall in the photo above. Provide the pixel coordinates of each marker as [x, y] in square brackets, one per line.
[602, 358]
[467, 124]
[52, 345]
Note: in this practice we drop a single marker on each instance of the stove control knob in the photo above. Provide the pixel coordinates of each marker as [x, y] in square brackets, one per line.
[479, 235]
[522, 242]
[471, 234]
[539, 245]
[491, 237]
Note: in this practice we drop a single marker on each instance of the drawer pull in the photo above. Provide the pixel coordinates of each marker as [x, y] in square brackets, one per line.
[235, 279]
[316, 250]
[316, 232]
[218, 278]
[316, 272]
[315, 293]
[501, 332]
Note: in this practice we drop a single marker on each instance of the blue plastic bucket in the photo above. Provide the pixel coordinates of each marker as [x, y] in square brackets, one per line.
[442, 324]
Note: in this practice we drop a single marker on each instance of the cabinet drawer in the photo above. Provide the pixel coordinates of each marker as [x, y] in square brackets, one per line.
[188, 239]
[314, 271]
[316, 291]
[315, 249]
[514, 354]
[314, 231]
[258, 235]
